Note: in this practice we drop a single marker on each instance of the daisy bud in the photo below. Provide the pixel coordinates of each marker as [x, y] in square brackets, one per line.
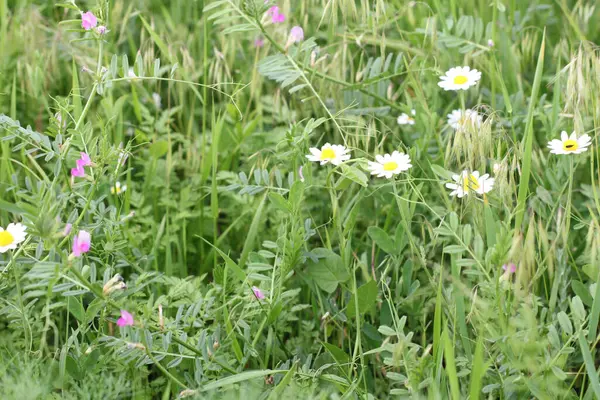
[161, 320]
[88, 20]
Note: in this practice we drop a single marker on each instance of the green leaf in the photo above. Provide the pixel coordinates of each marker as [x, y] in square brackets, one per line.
[279, 202]
[285, 381]
[338, 354]
[382, 239]
[559, 373]
[239, 273]
[76, 308]
[159, 148]
[367, 297]
[329, 271]
[565, 323]
[582, 291]
[354, 174]
[441, 172]
[454, 249]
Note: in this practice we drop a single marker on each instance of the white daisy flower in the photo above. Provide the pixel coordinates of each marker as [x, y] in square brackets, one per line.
[329, 153]
[569, 144]
[389, 165]
[458, 78]
[459, 119]
[470, 182]
[405, 119]
[118, 189]
[11, 237]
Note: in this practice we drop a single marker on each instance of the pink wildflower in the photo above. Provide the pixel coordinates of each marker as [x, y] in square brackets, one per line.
[509, 268]
[296, 34]
[258, 293]
[84, 161]
[81, 243]
[125, 320]
[101, 30]
[88, 20]
[259, 42]
[78, 172]
[276, 17]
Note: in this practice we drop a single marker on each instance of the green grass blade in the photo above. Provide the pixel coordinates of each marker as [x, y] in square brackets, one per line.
[589, 365]
[450, 365]
[528, 139]
[477, 371]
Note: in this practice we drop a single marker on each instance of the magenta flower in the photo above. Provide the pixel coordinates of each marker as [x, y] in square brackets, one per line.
[81, 243]
[84, 161]
[276, 17]
[259, 42]
[125, 320]
[88, 20]
[509, 268]
[258, 293]
[78, 172]
[296, 34]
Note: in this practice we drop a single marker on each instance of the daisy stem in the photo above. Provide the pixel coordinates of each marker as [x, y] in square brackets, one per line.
[569, 201]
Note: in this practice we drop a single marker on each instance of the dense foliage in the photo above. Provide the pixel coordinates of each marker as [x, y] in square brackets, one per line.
[165, 235]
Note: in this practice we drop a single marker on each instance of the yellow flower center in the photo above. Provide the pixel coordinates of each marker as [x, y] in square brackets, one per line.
[570, 145]
[6, 238]
[460, 79]
[470, 183]
[390, 166]
[327, 154]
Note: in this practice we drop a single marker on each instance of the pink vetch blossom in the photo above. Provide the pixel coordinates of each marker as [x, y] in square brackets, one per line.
[81, 243]
[78, 172]
[509, 268]
[296, 34]
[88, 20]
[101, 30]
[258, 293]
[125, 320]
[84, 161]
[276, 17]
[259, 42]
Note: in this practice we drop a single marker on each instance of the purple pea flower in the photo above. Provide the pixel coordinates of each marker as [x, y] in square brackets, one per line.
[82, 243]
[88, 20]
[126, 319]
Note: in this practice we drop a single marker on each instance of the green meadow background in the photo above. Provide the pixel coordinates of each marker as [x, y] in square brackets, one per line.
[374, 288]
